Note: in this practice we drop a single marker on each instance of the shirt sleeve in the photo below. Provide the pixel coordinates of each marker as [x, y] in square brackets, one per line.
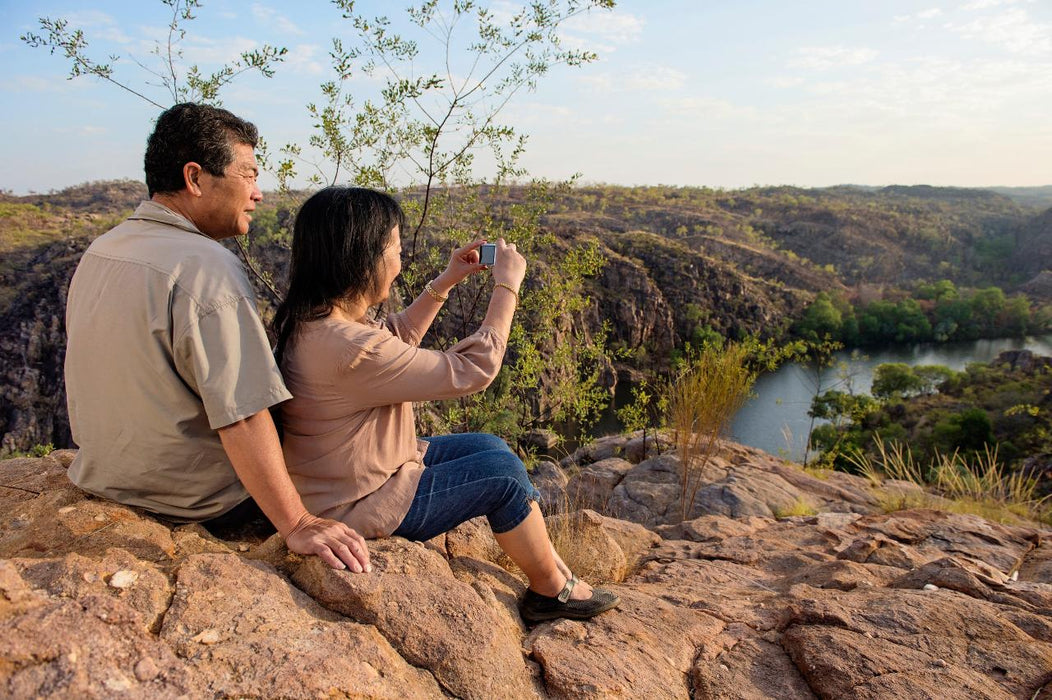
[398, 323]
[225, 357]
[380, 368]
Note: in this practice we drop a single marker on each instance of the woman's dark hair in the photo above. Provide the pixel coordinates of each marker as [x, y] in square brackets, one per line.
[338, 244]
[195, 133]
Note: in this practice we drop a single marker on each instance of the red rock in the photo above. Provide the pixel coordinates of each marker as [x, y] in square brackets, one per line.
[263, 637]
[433, 620]
[644, 649]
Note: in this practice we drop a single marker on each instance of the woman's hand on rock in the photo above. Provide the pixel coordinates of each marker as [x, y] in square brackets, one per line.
[510, 268]
[338, 545]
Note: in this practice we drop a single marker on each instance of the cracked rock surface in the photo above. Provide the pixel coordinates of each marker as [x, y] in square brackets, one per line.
[100, 600]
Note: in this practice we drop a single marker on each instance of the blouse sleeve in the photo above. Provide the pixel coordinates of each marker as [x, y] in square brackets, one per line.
[380, 368]
[398, 323]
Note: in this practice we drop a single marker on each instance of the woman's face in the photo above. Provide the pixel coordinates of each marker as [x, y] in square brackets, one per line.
[390, 266]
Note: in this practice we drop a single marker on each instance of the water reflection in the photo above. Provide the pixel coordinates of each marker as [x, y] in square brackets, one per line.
[775, 419]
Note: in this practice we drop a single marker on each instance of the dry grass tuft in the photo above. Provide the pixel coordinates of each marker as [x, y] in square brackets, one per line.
[981, 487]
[702, 400]
[798, 507]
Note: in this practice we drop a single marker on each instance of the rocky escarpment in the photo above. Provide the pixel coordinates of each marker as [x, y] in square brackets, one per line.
[100, 600]
[33, 345]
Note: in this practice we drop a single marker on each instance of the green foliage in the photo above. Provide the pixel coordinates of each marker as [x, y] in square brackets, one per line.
[639, 414]
[821, 320]
[34, 451]
[969, 430]
[428, 128]
[938, 311]
[895, 380]
[553, 370]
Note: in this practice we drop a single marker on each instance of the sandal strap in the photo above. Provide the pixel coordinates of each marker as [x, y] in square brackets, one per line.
[564, 594]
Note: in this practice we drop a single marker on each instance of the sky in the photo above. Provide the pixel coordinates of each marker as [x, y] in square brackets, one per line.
[685, 92]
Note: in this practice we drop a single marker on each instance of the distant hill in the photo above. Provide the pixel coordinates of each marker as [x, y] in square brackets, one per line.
[1039, 197]
[682, 262]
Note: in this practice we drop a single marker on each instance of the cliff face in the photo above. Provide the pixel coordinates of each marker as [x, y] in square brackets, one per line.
[101, 600]
[33, 346]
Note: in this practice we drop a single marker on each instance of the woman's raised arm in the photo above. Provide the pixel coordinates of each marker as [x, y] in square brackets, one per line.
[462, 263]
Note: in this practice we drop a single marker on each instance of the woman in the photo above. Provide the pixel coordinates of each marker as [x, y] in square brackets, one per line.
[349, 433]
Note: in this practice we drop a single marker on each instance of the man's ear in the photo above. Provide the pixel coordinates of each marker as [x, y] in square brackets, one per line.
[191, 178]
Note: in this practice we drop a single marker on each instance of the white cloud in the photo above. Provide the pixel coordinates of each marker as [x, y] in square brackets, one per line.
[986, 4]
[302, 58]
[1012, 30]
[204, 52]
[920, 17]
[97, 25]
[786, 81]
[647, 77]
[708, 109]
[270, 16]
[826, 57]
[601, 30]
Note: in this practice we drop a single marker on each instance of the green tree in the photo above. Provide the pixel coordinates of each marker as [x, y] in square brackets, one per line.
[987, 305]
[821, 320]
[895, 380]
[969, 430]
[429, 127]
[1016, 316]
[193, 85]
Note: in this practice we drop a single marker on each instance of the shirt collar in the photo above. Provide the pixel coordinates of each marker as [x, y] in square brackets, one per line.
[150, 210]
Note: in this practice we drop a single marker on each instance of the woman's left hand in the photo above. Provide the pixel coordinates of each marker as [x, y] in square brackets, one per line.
[463, 263]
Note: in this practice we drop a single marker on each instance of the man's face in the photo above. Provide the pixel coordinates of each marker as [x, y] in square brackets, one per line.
[227, 200]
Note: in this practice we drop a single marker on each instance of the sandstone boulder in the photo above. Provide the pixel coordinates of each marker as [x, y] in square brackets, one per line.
[264, 637]
[433, 620]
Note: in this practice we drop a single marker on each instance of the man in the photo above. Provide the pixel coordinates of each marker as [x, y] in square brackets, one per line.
[169, 375]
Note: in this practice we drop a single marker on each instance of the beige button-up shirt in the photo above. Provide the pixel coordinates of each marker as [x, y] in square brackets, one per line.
[350, 441]
[165, 345]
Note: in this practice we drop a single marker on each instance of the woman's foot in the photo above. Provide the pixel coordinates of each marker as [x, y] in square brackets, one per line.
[576, 600]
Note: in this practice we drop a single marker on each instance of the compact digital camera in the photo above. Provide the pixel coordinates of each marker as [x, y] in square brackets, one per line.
[487, 253]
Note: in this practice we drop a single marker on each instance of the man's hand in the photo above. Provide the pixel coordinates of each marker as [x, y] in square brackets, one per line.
[338, 545]
[254, 450]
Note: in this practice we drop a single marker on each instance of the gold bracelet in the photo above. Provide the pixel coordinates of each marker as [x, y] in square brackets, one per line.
[434, 293]
[509, 288]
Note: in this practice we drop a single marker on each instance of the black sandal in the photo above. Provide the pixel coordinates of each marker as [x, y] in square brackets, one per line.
[536, 607]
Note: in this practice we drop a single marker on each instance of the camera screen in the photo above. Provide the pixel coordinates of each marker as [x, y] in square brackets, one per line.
[487, 253]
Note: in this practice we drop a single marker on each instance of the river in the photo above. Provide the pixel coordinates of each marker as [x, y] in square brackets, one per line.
[775, 419]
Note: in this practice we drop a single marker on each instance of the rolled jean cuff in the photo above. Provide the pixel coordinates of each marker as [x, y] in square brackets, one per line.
[514, 518]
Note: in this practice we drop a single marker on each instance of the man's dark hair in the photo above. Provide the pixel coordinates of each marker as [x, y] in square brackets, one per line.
[195, 133]
[338, 243]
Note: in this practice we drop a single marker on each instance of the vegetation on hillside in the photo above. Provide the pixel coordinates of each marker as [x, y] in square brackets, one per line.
[1004, 406]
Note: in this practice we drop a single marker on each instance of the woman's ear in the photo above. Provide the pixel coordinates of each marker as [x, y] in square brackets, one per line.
[191, 178]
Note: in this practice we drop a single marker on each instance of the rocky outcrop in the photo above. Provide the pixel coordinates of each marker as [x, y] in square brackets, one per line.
[101, 600]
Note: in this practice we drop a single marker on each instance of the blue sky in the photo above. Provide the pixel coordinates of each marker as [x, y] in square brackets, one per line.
[686, 92]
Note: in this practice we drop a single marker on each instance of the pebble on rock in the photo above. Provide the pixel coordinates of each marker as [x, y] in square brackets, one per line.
[146, 669]
[208, 636]
[124, 578]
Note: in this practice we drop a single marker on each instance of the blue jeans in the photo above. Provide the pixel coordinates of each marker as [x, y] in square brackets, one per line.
[468, 475]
